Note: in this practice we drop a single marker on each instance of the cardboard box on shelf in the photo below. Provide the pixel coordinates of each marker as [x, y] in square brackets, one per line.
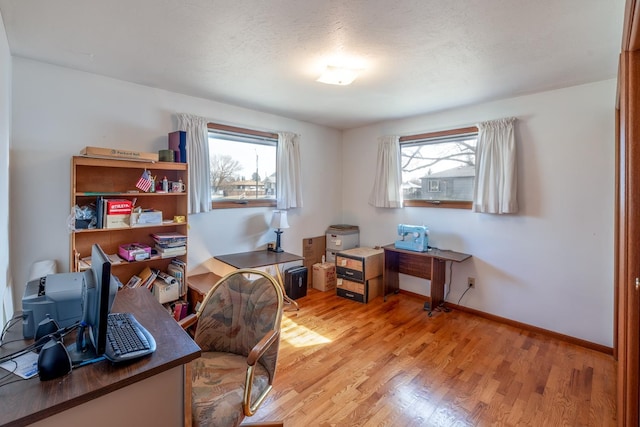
[116, 153]
[118, 206]
[117, 221]
[324, 276]
[165, 292]
[146, 218]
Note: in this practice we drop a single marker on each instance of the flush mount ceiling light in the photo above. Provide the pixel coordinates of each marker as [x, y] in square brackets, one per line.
[338, 75]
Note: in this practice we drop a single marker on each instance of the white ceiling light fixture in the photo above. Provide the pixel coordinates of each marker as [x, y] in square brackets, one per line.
[338, 75]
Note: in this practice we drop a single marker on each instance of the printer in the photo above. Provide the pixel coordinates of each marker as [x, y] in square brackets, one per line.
[58, 296]
[414, 238]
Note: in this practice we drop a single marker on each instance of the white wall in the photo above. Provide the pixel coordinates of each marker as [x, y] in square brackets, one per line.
[6, 309]
[551, 265]
[58, 111]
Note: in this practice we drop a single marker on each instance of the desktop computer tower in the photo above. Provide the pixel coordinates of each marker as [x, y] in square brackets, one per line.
[295, 282]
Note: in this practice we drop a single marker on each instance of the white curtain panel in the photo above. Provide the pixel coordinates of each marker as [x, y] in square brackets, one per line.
[198, 159]
[289, 181]
[496, 181]
[387, 187]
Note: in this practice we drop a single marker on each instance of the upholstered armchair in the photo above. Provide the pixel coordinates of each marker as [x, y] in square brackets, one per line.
[238, 330]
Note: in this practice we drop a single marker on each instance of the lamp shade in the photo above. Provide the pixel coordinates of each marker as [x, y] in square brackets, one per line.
[279, 220]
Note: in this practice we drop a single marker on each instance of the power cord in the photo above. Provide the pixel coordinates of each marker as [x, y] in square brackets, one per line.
[466, 290]
[8, 326]
[10, 373]
[60, 333]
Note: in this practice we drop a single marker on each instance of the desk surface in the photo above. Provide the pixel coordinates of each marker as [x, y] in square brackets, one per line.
[258, 259]
[27, 401]
[434, 253]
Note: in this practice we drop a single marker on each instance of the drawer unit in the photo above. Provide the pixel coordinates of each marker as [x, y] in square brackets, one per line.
[359, 263]
[350, 273]
[356, 291]
[359, 273]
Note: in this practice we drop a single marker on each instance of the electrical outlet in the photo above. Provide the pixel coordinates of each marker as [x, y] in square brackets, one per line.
[471, 282]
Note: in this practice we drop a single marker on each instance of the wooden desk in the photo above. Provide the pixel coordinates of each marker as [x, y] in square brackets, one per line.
[145, 392]
[263, 258]
[427, 265]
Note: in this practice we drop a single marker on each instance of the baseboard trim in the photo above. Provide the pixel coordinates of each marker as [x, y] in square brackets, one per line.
[567, 338]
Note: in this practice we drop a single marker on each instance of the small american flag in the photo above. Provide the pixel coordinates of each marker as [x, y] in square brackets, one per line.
[144, 183]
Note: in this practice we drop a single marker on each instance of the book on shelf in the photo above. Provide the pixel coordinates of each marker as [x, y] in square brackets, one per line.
[178, 269]
[169, 237]
[180, 309]
[115, 259]
[177, 309]
[176, 250]
[134, 282]
[148, 276]
[171, 255]
[178, 144]
[84, 263]
[100, 212]
[168, 245]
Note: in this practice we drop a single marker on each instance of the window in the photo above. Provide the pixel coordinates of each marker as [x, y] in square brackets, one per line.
[438, 169]
[243, 167]
[434, 185]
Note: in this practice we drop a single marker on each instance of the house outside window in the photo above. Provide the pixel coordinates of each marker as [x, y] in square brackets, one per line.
[438, 169]
[243, 167]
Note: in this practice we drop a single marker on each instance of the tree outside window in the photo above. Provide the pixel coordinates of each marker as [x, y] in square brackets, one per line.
[439, 168]
[243, 168]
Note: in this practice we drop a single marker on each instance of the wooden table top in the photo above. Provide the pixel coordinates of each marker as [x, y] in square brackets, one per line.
[257, 259]
[434, 253]
[26, 401]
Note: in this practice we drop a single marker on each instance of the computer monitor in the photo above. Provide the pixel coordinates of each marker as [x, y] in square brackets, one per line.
[106, 288]
[98, 293]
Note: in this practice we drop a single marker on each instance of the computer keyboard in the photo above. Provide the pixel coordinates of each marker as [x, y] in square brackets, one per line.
[126, 338]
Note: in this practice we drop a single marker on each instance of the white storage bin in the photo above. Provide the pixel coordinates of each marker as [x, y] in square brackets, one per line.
[342, 237]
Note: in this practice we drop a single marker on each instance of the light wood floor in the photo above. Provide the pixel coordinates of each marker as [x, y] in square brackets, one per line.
[344, 363]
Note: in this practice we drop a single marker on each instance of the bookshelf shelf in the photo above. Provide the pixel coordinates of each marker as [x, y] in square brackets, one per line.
[135, 227]
[92, 177]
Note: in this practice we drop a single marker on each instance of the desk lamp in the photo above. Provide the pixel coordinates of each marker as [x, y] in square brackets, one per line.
[279, 221]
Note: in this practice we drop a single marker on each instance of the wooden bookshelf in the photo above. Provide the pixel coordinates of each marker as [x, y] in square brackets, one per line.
[93, 177]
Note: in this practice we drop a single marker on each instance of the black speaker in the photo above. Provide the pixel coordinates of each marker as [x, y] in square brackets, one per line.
[45, 327]
[53, 360]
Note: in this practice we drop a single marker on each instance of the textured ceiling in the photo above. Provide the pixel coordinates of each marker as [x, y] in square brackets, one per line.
[418, 56]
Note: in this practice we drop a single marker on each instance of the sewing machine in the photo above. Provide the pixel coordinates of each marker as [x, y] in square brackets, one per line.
[414, 238]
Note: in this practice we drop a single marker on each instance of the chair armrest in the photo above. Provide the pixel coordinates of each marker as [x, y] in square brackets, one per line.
[256, 353]
[263, 345]
[188, 321]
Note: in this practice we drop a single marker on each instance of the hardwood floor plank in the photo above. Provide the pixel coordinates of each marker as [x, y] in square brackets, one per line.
[344, 363]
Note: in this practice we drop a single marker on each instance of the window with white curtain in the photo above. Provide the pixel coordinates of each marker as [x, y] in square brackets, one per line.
[438, 168]
[243, 167]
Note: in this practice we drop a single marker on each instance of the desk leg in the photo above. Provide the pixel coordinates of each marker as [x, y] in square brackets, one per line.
[287, 300]
[390, 277]
[187, 395]
[438, 277]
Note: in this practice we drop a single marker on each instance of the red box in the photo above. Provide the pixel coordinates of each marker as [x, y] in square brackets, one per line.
[118, 206]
